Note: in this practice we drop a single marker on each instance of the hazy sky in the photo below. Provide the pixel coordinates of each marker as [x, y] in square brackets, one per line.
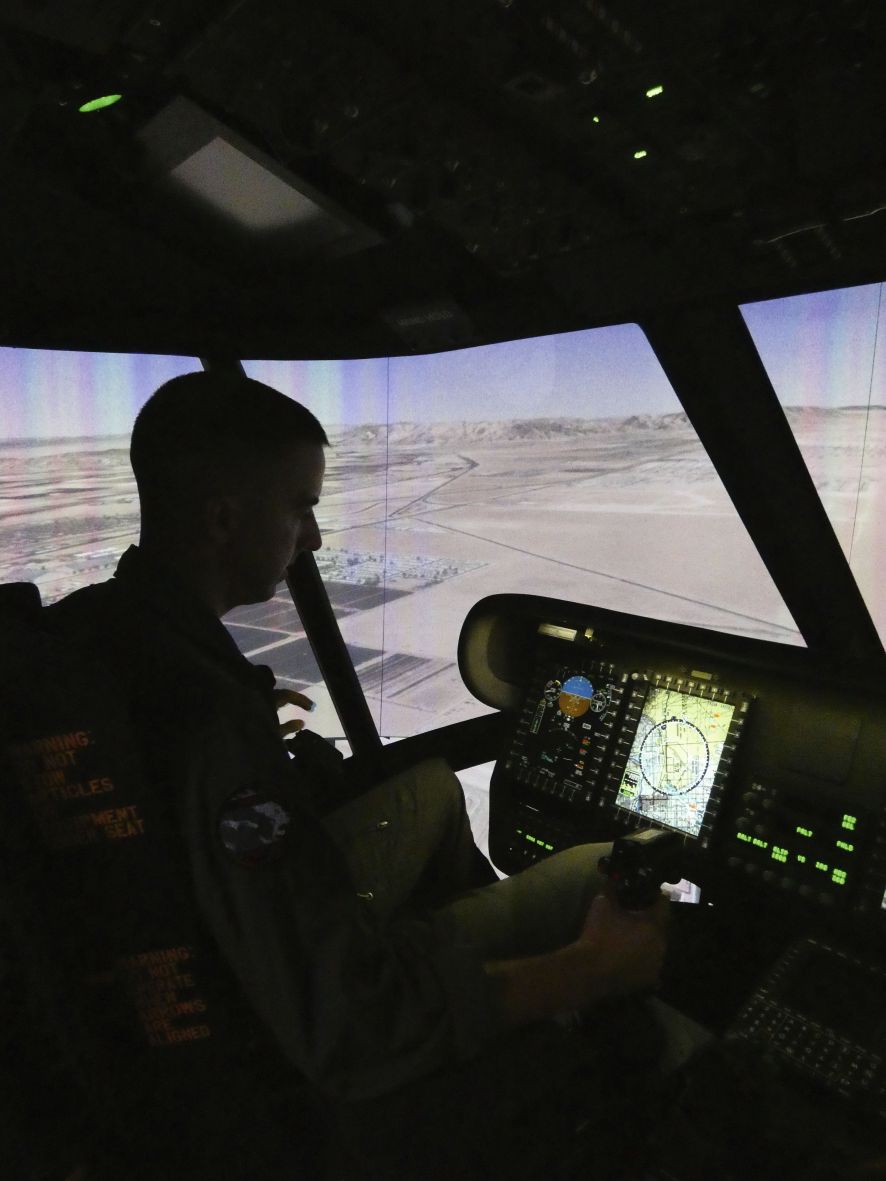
[820, 350]
[46, 394]
[823, 349]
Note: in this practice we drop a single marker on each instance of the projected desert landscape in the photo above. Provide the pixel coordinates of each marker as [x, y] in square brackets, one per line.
[422, 520]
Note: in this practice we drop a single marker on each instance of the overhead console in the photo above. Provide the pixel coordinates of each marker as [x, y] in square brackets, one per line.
[769, 763]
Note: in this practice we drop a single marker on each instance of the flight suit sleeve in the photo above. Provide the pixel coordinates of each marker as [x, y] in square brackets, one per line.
[358, 1008]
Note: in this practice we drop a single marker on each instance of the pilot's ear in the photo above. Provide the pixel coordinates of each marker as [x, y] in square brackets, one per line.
[223, 515]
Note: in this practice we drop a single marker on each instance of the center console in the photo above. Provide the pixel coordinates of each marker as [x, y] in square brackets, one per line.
[768, 763]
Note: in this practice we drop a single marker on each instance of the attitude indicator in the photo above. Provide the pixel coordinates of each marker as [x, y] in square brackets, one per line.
[576, 695]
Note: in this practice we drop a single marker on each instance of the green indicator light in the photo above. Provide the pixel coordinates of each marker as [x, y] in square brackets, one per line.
[821, 865]
[550, 848]
[640, 154]
[654, 91]
[743, 836]
[845, 845]
[760, 844]
[805, 832]
[98, 104]
[779, 854]
[596, 119]
[839, 876]
[801, 858]
[529, 838]
[850, 821]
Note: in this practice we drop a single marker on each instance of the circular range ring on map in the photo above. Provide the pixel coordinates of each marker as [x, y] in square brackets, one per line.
[575, 697]
[674, 757]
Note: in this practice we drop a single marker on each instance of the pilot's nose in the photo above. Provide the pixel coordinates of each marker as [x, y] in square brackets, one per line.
[311, 537]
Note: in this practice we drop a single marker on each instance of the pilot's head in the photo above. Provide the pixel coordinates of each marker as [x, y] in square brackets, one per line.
[228, 473]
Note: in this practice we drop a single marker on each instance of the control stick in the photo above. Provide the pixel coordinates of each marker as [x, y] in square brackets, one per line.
[640, 863]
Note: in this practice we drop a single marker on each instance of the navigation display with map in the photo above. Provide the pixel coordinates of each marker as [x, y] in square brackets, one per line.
[674, 757]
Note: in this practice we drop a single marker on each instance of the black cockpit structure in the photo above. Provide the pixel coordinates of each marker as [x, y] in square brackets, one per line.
[391, 184]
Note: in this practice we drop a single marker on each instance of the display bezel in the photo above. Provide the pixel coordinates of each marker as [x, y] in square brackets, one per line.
[645, 691]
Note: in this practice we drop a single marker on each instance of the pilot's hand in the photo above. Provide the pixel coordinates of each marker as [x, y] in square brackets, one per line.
[629, 945]
[283, 697]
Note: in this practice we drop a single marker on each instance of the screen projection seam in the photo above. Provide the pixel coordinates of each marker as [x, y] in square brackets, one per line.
[384, 570]
[867, 421]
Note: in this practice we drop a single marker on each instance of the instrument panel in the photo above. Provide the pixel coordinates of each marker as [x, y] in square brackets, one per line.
[770, 766]
[658, 749]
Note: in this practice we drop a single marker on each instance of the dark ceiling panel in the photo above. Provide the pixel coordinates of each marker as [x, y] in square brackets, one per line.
[505, 156]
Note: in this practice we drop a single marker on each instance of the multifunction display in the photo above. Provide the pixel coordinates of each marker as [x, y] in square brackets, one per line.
[649, 748]
[560, 746]
[674, 758]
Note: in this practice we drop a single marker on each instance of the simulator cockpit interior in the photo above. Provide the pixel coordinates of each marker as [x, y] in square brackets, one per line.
[587, 298]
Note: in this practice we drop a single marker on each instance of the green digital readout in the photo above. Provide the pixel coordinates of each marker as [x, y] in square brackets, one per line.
[538, 841]
[823, 839]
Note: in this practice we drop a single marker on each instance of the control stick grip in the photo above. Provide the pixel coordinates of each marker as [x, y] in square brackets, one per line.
[640, 863]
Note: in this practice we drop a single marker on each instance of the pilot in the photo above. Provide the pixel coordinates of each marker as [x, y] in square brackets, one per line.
[369, 935]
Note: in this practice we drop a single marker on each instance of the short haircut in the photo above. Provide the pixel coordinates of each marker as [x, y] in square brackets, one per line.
[207, 432]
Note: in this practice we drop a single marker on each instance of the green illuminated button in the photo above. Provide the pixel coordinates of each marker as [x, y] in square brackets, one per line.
[849, 821]
[654, 91]
[845, 845]
[821, 865]
[804, 832]
[98, 104]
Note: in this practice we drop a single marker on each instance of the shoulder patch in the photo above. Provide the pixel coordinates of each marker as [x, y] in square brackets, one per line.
[253, 825]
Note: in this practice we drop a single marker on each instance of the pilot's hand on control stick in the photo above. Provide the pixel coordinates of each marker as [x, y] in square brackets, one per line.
[629, 944]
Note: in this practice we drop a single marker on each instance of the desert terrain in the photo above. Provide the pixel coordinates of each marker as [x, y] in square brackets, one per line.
[421, 520]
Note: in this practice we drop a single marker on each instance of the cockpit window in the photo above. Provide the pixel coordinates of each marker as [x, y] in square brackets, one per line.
[68, 501]
[825, 354]
[560, 466]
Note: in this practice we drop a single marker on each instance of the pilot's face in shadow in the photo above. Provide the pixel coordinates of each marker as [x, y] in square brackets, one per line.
[273, 522]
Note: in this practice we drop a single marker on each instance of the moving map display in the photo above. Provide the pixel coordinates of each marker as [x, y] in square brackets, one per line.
[674, 758]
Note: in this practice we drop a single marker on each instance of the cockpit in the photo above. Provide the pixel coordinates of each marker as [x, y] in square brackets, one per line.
[605, 475]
